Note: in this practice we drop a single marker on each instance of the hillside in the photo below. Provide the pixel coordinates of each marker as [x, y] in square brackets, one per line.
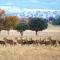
[53, 27]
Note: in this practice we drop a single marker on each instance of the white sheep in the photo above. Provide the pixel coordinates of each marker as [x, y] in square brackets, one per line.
[45, 33]
[29, 34]
[14, 33]
[3, 33]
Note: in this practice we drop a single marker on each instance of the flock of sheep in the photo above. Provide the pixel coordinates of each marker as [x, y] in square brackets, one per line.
[14, 37]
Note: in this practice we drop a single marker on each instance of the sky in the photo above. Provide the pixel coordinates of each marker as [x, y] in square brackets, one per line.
[34, 4]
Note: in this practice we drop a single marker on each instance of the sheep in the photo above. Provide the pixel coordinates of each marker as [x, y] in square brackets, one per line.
[34, 37]
[41, 42]
[19, 40]
[52, 41]
[2, 42]
[29, 34]
[10, 41]
[31, 41]
[3, 33]
[14, 33]
[47, 41]
[41, 34]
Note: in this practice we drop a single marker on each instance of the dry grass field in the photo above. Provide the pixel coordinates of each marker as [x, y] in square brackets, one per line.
[26, 52]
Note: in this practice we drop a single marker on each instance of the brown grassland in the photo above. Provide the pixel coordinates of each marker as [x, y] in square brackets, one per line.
[30, 52]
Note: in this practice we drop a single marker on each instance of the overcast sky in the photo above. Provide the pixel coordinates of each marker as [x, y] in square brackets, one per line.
[41, 4]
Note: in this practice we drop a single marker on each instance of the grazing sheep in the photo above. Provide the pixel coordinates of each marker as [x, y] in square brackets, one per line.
[48, 33]
[23, 42]
[19, 40]
[53, 41]
[18, 34]
[47, 41]
[29, 34]
[14, 33]
[10, 41]
[42, 42]
[2, 42]
[30, 41]
[3, 33]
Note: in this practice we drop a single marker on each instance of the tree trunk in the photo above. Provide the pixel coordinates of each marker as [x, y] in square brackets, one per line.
[21, 33]
[36, 32]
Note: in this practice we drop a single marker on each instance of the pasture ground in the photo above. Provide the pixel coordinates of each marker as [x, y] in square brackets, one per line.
[53, 27]
[30, 52]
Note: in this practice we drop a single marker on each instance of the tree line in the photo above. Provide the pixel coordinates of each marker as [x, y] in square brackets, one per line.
[12, 22]
[37, 24]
